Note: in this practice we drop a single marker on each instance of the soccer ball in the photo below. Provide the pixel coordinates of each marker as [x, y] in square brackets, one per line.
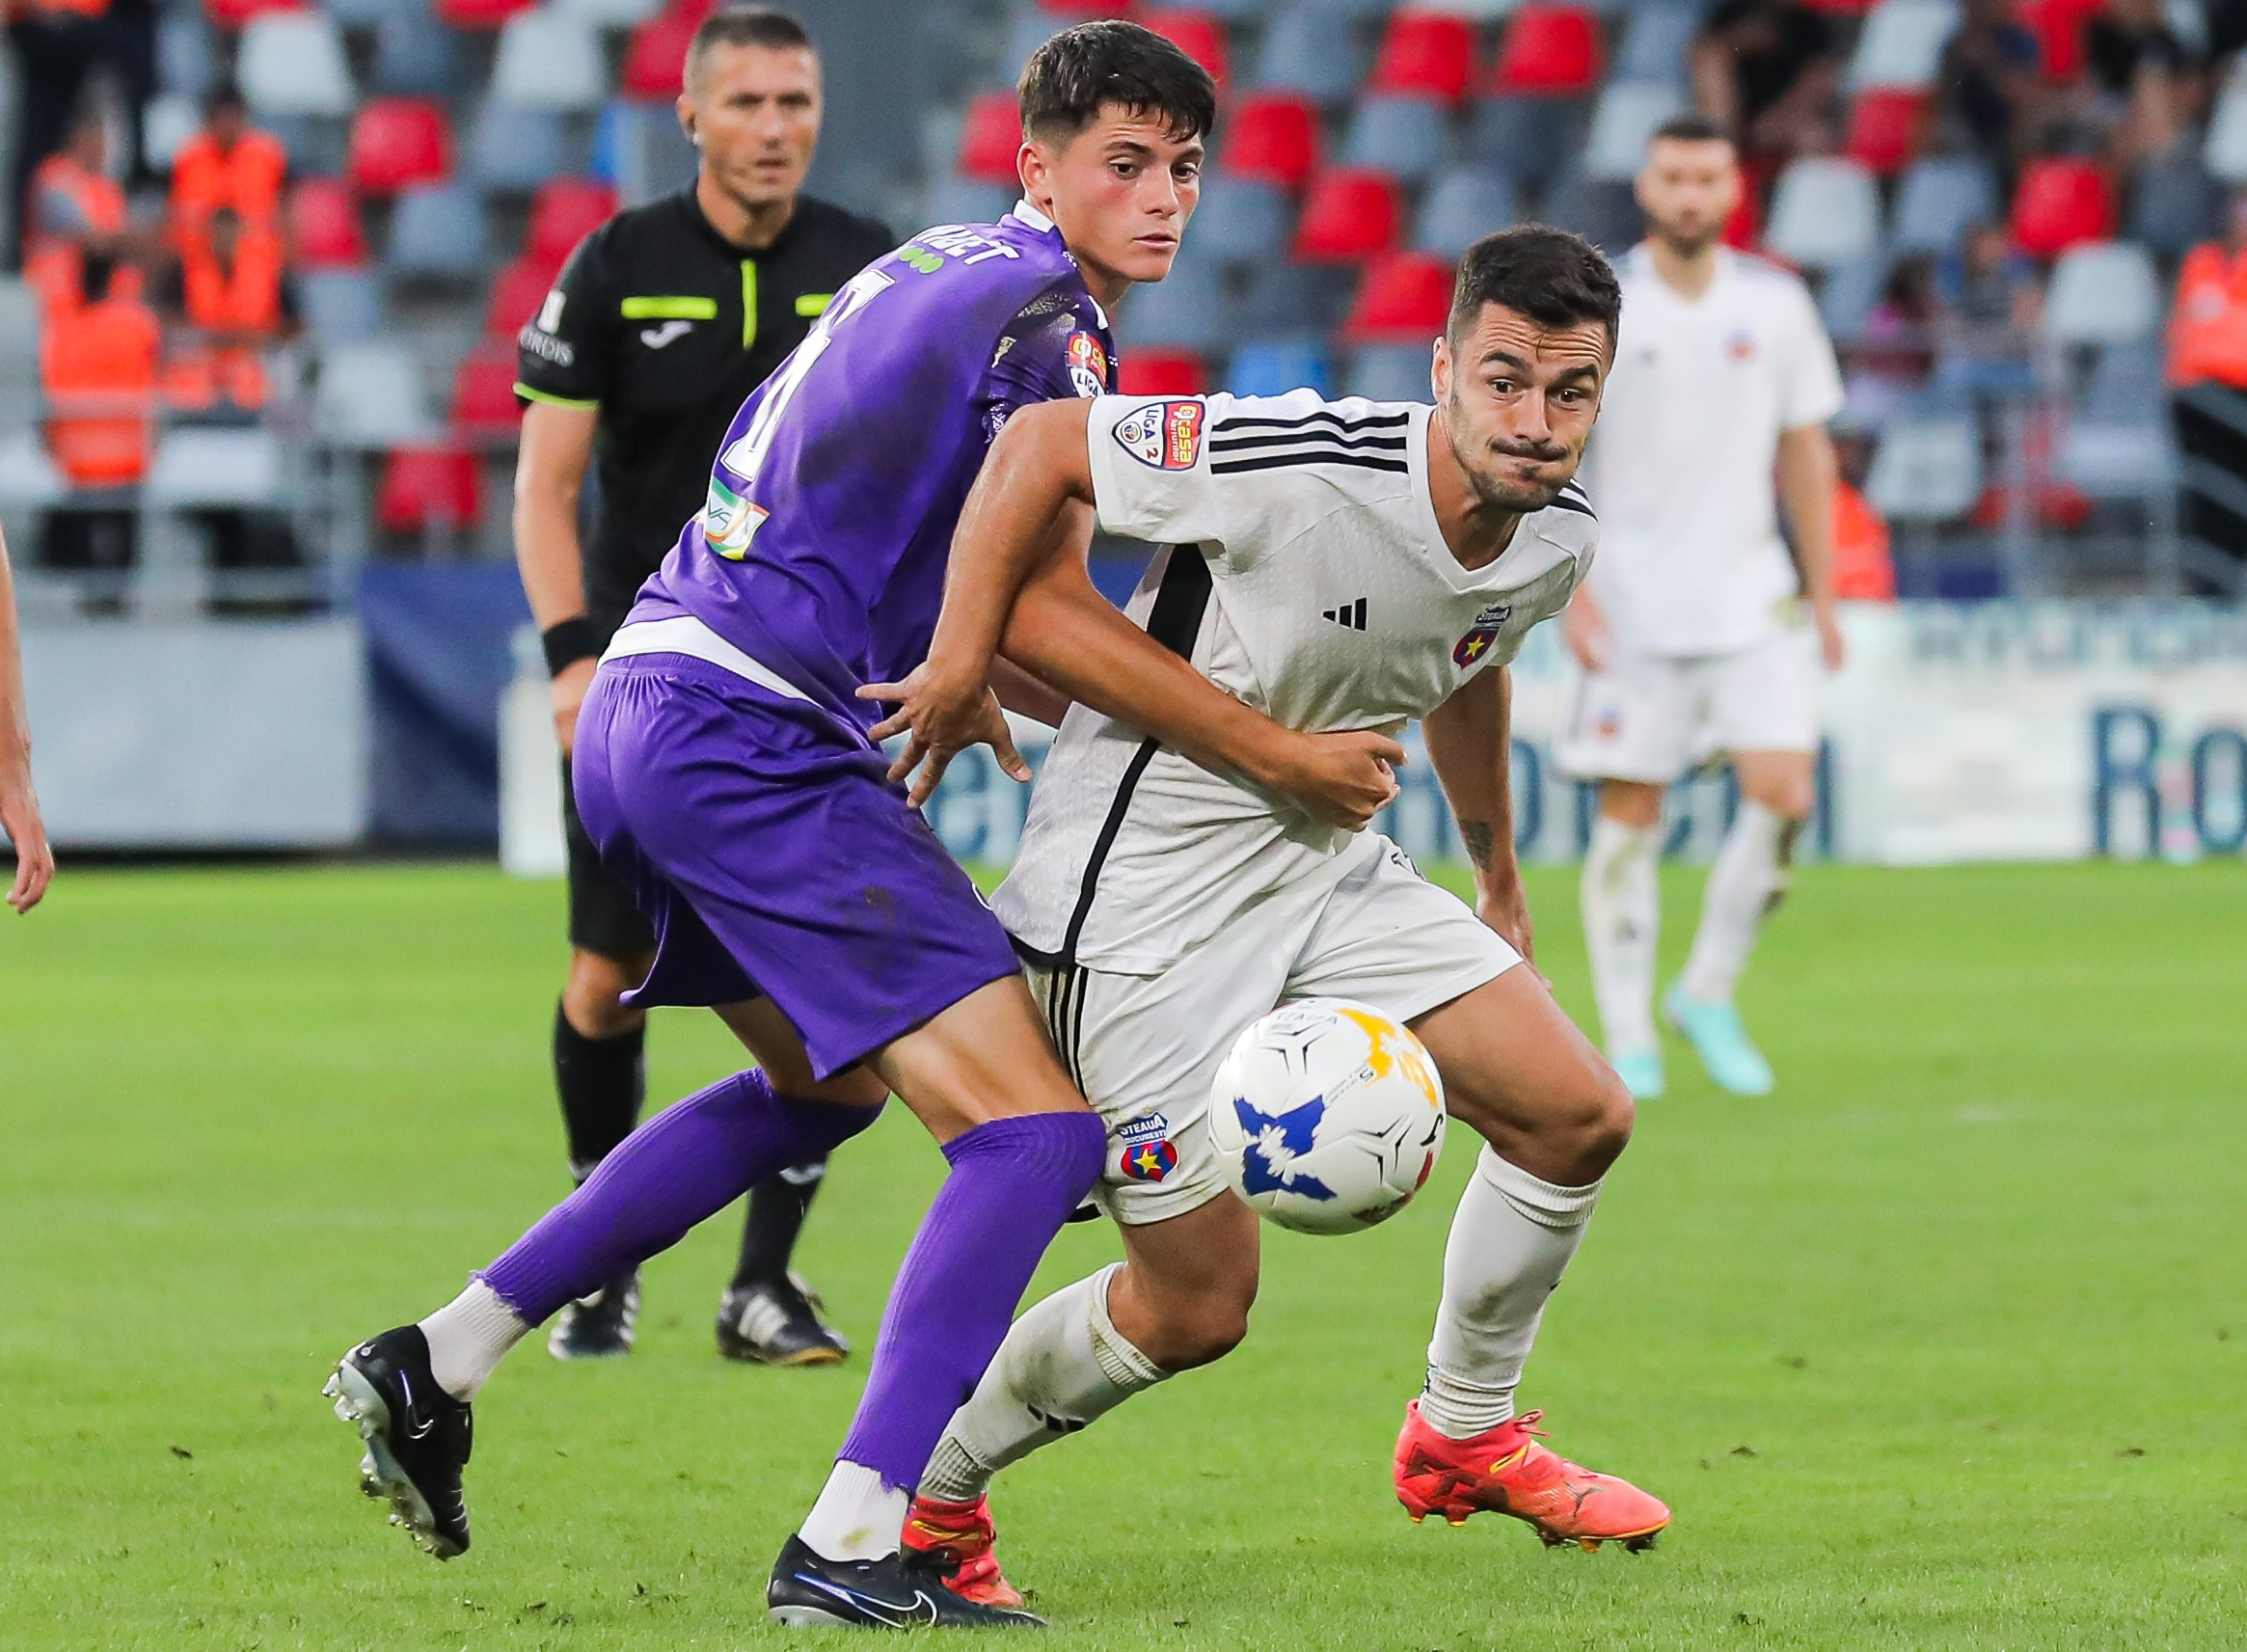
[1327, 1116]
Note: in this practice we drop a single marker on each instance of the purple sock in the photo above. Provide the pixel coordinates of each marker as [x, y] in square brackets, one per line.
[1014, 1182]
[688, 1162]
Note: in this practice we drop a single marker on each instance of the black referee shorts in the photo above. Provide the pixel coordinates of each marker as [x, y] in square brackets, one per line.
[604, 917]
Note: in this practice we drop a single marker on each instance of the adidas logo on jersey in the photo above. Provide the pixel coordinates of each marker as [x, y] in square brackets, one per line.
[1352, 615]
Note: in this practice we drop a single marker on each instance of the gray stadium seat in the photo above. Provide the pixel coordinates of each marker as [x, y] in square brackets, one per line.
[1825, 212]
[1938, 199]
[959, 200]
[28, 477]
[437, 230]
[1391, 372]
[512, 151]
[187, 60]
[371, 395]
[1901, 44]
[610, 13]
[214, 467]
[1655, 45]
[316, 144]
[1600, 210]
[1308, 49]
[1622, 121]
[2103, 292]
[1241, 221]
[547, 59]
[2128, 386]
[19, 383]
[2119, 461]
[170, 120]
[415, 56]
[1530, 140]
[2178, 206]
[366, 13]
[2225, 150]
[292, 63]
[1276, 366]
[1849, 294]
[1462, 207]
[1030, 29]
[341, 307]
[1189, 309]
[1403, 135]
[1927, 470]
[1294, 299]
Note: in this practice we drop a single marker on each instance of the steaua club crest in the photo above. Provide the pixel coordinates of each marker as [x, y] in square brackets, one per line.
[1149, 1154]
[1477, 642]
[1088, 364]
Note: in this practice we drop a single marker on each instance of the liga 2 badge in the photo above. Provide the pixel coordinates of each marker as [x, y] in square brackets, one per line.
[1165, 435]
[729, 522]
[1088, 364]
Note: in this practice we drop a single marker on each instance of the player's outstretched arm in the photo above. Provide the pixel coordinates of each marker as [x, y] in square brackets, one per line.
[1470, 741]
[20, 817]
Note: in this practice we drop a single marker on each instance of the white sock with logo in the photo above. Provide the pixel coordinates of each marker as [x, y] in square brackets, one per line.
[1621, 900]
[1511, 1241]
[1746, 885]
[858, 1515]
[1062, 1364]
[467, 1339]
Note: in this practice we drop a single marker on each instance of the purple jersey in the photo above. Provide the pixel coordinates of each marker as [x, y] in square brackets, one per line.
[821, 551]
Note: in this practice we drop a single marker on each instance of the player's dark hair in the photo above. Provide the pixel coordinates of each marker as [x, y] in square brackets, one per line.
[1554, 278]
[766, 26]
[1693, 127]
[1075, 75]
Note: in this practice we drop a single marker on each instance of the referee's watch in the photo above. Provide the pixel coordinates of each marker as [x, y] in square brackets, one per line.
[569, 640]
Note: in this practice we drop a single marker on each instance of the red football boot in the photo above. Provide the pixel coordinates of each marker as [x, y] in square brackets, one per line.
[1506, 1471]
[962, 1533]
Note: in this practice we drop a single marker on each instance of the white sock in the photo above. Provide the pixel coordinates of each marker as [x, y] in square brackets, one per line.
[1621, 897]
[1511, 1243]
[467, 1339]
[1062, 1364]
[1746, 885]
[858, 1515]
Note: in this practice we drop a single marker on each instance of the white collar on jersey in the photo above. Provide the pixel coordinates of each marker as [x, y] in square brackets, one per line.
[1045, 226]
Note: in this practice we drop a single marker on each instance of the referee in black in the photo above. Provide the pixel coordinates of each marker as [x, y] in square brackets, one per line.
[665, 318]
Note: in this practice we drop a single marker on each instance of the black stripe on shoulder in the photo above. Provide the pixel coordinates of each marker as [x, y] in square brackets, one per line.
[1566, 501]
[1319, 437]
[1324, 416]
[1275, 461]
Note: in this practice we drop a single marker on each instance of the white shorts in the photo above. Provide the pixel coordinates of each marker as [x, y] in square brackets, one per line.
[1145, 1048]
[1654, 718]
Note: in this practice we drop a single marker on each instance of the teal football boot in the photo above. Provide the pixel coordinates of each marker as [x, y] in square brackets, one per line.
[1717, 1038]
[1640, 1072]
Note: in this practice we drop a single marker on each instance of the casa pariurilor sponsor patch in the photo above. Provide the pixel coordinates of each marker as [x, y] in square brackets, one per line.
[1088, 364]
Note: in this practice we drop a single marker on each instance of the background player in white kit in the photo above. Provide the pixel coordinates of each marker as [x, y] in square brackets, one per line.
[1690, 632]
[1337, 565]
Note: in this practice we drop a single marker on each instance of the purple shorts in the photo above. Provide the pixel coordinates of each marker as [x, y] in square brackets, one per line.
[763, 842]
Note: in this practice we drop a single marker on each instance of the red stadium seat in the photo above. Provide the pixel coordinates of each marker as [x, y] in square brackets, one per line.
[2061, 201]
[481, 14]
[234, 14]
[1429, 54]
[1162, 372]
[564, 212]
[1197, 34]
[325, 220]
[518, 289]
[2058, 27]
[1272, 136]
[1551, 49]
[654, 61]
[1352, 214]
[429, 487]
[1883, 129]
[400, 141]
[484, 406]
[991, 138]
[1401, 296]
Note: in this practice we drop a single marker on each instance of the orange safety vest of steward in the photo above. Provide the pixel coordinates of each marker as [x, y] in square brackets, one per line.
[247, 177]
[2207, 329]
[97, 364]
[243, 299]
[52, 263]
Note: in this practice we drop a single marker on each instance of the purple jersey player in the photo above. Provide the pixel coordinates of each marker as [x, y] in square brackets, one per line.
[727, 768]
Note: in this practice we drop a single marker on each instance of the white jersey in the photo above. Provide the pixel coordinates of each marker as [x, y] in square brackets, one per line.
[1691, 560]
[1307, 575]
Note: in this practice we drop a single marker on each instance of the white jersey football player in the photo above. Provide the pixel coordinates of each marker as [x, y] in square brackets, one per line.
[1336, 565]
[1692, 635]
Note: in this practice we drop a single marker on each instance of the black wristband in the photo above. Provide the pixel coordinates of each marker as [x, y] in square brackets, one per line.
[568, 641]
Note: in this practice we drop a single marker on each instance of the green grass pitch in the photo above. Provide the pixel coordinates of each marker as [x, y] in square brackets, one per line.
[1943, 1346]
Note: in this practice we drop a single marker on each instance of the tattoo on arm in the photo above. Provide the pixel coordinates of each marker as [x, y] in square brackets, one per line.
[1477, 837]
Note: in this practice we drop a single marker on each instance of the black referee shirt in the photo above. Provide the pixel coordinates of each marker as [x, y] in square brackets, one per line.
[667, 327]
